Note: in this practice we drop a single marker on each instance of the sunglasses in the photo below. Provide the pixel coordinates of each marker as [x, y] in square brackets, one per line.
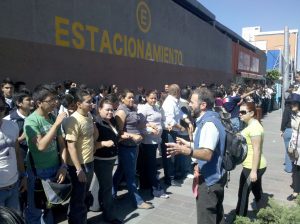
[243, 112]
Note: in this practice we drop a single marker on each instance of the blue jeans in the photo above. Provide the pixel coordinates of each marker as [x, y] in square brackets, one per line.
[9, 197]
[287, 134]
[34, 215]
[77, 211]
[103, 171]
[127, 167]
[235, 121]
[168, 163]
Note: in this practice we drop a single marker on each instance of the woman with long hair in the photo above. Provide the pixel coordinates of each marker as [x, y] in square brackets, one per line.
[255, 163]
[105, 156]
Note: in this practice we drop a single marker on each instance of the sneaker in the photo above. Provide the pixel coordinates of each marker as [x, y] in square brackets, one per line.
[145, 205]
[159, 193]
[175, 183]
[292, 197]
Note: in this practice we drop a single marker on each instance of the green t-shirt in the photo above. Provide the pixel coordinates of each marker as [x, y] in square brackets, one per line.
[37, 125]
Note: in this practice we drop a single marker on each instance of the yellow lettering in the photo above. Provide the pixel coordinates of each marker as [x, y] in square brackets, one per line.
[140, 49]
[79, 41]
[132, 47]
[148, 55]
[166, 55]
[59, 31]
[92, 30]
[125, 45]
[157, 53]
[117, 37]
[143, 17]
[171, 56]
[175, 56]
[180, 58]
[105, 42]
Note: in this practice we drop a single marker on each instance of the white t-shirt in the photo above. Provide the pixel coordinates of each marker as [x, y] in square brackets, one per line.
[9, 133]
[209, 136]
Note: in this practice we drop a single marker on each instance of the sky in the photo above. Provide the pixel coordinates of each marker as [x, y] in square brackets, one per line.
[270, 15]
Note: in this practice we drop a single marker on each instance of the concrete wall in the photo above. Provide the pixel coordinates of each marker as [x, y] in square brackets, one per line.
[132, 42]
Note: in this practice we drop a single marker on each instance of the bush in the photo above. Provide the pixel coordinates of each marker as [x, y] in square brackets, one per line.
[275, 213]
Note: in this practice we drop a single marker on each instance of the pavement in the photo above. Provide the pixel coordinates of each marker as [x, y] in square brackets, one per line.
[180, 208]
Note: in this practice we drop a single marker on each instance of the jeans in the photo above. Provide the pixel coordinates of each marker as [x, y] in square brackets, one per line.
[168, 163]
[287, 134]
[10, 197]
[148, 170]
[127, 167]
[34, 215]
[103, 170]
[77, 211]
[235, 121]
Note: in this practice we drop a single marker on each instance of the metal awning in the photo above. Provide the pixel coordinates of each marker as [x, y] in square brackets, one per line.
[250, 75]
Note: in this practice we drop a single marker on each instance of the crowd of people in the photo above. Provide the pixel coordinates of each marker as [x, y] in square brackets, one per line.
[68, 130]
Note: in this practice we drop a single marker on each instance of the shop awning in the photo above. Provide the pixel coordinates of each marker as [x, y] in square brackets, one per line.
[250, 75]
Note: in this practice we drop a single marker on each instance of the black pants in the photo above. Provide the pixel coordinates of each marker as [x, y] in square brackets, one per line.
[296, 178]
[244, 190]
[210, 202]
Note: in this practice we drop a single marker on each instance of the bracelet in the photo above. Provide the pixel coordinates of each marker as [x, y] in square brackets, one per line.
[191, 153]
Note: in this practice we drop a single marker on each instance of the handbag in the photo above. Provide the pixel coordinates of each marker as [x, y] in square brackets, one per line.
[48, 193]
[292, 151]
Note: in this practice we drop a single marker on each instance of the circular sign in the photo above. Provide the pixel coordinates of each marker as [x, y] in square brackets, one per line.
[143, 16]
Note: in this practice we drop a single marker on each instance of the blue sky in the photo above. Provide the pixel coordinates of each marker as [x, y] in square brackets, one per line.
[270, 15]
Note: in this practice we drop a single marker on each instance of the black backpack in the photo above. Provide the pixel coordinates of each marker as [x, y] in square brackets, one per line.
[235, 146]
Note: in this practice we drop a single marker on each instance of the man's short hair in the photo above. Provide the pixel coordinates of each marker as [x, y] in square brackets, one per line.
[174, 90]
[5, 81]
[79, 94]
[41, 92]
[205, 95]
[19, 96]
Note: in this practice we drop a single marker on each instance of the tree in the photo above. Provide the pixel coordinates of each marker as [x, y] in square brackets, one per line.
[273, 75]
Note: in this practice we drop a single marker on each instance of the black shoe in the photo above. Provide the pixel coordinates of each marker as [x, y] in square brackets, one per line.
[291, 197]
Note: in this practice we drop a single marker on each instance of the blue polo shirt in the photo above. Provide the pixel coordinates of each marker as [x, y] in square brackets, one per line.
[231, 105]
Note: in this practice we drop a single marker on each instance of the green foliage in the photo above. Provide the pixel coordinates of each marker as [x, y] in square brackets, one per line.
[273, 75]
[275, 213]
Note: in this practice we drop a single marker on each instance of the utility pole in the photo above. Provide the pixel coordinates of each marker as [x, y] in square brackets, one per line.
[285, 77]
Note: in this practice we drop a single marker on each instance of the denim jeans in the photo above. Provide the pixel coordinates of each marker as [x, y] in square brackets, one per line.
[235, 121]
[10, 197]
[168, 163]
[77, 211]
[34, 215]
[148, 170]
[127, 167]
[287, 137]
[103, 171]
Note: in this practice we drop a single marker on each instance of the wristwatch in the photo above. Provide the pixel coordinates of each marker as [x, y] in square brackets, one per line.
[191, 153]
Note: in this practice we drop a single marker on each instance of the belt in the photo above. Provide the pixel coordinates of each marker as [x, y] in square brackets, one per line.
[8, 187]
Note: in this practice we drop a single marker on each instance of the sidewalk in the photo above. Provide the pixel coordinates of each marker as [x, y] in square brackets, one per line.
[180, 207]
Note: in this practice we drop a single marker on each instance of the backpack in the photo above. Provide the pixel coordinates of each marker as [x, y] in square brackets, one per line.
[235, 146]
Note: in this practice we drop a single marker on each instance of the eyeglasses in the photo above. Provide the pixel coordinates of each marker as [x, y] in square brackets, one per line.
[243, 112]
[51, 100]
